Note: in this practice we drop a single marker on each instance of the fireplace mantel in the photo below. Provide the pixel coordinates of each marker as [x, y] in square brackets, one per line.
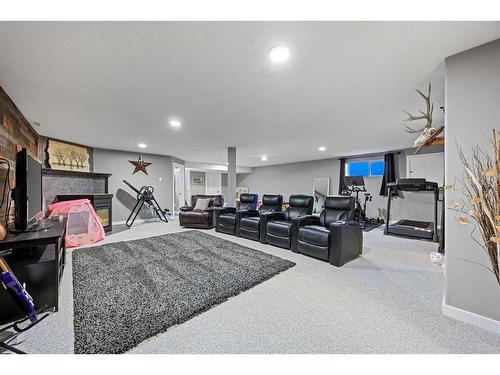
[75, 173]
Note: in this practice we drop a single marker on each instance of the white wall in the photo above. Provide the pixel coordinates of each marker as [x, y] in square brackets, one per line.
[472, 111]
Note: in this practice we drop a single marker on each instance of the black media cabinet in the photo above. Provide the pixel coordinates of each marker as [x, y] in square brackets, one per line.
[37, 259]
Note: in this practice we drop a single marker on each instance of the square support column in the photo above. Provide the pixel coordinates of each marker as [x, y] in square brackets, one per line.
[231, 177]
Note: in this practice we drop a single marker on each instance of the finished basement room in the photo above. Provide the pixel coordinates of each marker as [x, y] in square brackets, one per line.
[250, 187]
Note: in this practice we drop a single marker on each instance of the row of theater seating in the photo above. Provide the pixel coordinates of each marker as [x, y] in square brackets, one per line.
[331, 236]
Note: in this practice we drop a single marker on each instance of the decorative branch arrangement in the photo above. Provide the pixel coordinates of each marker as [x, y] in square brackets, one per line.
[482, 199]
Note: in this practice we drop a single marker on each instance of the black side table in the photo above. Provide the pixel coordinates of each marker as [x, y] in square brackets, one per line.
[37, 259]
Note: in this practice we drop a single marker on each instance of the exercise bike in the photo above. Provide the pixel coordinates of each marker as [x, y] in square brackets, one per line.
[356, 185]
[145, 196]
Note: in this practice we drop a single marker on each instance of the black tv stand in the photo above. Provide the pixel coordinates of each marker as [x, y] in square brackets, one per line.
[37, 259]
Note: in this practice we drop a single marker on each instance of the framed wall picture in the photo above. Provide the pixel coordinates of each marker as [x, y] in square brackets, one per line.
[198, 180]
[68, 157]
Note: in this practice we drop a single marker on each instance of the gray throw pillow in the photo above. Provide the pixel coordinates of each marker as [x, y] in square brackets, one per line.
[202, 204]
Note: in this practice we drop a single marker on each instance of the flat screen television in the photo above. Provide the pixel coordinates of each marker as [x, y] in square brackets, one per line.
[28, 191]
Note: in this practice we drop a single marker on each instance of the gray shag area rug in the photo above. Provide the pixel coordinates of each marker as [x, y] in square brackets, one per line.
[126, 292]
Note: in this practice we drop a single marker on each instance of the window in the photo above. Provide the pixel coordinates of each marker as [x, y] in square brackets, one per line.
[359, 168]
[372, 168]
[377, 168]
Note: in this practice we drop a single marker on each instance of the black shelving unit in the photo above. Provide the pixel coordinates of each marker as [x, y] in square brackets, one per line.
[37, 259]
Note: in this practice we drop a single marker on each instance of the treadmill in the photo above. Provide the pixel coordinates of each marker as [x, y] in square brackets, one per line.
[412, 228]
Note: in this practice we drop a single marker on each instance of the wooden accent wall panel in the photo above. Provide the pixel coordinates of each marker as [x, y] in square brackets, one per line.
[14, 130]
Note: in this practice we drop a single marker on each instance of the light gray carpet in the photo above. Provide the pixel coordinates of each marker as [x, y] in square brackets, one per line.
[387, 301]
[126, 292]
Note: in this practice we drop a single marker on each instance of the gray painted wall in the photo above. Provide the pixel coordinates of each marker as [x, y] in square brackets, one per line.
[292, 178]
[197, 188]
[200, 189]
[472, 111]
[297, 178]
[116, 162]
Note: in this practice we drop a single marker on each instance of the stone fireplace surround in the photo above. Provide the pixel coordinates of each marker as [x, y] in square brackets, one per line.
[75, 183]
[56, 182]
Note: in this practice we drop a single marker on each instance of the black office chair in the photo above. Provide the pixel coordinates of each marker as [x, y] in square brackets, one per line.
[228, 218]
[276, 227]
[249, 225]
[331, 236]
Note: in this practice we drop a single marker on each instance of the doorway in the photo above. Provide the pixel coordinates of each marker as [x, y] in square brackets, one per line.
[178, 187]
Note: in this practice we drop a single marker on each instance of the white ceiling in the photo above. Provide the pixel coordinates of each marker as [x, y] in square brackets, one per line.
[115, 84]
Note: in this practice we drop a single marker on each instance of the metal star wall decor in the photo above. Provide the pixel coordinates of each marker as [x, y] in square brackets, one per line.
[140, 165]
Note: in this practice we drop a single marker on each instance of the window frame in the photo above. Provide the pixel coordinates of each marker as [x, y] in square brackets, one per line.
[369, 162]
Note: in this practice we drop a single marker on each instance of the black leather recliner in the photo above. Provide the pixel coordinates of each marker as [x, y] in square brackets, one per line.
[191, 218]
[332, 236]
[249, 225]
[276, 228]
[228, 218]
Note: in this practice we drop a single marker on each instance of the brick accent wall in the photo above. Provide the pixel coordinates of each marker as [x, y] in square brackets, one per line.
[14, 130]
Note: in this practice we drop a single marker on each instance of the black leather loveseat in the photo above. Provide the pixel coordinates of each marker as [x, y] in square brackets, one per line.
[227, 219]
[249, 225]
[332, 236]
[276, 227]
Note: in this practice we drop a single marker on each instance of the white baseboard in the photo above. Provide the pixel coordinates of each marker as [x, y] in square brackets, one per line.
[471, 318]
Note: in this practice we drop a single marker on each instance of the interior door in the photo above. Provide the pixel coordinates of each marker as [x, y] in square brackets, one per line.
[187, 186]
[428, 166]
[213, 183]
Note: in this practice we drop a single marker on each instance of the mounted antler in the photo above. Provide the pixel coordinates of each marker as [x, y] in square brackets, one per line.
[427, 115]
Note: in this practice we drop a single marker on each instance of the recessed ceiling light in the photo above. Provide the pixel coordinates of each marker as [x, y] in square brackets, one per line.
[321, 148]
[175, 123]
[279, 54]
[263, 158]
[142, 145]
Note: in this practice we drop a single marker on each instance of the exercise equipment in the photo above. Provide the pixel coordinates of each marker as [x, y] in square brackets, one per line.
[145, 196]
[413, 228]
[24, 301]
[356, 185]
